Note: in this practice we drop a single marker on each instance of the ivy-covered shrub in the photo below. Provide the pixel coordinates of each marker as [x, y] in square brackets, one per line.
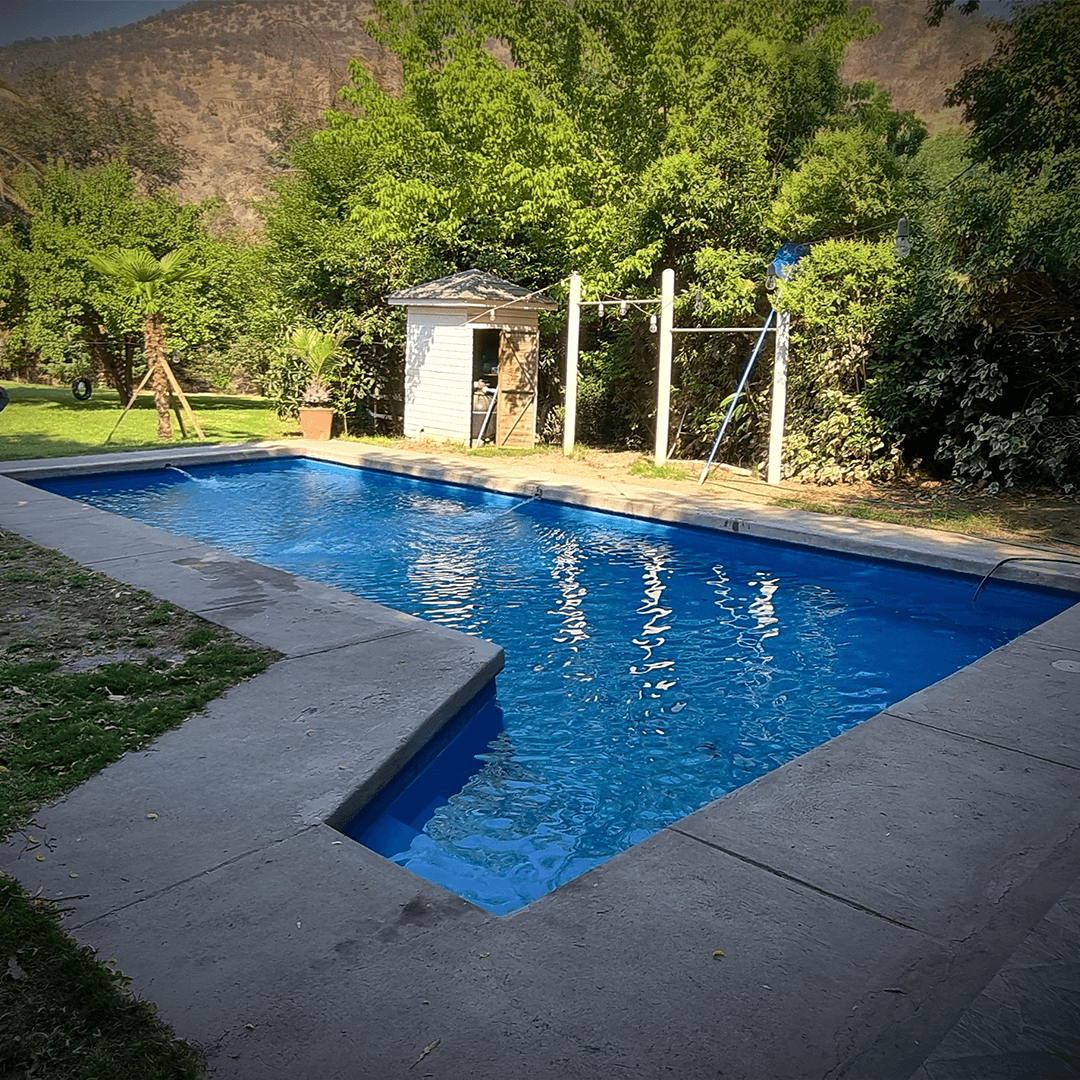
[843, 297]
[840, 441]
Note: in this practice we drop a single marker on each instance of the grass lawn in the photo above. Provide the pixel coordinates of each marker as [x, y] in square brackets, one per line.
[46, 421]
[89, 669]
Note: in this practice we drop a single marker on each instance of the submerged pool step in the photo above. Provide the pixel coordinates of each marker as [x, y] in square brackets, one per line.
[388, 836]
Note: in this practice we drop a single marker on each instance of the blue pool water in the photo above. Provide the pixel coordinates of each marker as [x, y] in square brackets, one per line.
[650, 669]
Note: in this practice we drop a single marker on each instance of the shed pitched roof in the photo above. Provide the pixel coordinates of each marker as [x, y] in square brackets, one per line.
[471, 287]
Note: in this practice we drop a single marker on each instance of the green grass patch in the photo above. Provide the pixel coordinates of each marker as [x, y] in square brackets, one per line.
[65, 1016]
[508, 451]
[68, 725]
[46, 421]
[652, 471]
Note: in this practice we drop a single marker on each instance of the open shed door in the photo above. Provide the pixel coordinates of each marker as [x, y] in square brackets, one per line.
[519, 357]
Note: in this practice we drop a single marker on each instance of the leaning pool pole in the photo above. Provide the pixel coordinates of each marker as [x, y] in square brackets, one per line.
[735, 397]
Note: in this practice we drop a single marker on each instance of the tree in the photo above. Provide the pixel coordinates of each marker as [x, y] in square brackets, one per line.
[984, 372]
[145, 278]
[52, 303]
[619, 139]
[1023, 101]
[55, 115]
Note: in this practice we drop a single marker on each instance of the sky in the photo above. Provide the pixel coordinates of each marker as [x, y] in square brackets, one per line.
[21, 19]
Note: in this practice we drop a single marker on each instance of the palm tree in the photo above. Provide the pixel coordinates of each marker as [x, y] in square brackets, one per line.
[139, 274]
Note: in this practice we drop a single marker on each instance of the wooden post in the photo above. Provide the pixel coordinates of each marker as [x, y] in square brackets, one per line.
[134, 394]
[663, 388]
[779, 397]
[573, 334]
[184, 401]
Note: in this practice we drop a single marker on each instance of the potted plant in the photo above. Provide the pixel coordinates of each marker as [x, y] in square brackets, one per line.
[321, 354]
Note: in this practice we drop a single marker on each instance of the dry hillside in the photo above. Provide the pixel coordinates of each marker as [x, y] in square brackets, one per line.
[917, 63]
[225, 70]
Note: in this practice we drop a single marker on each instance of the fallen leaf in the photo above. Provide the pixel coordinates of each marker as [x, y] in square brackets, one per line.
[250, 1027]
[39, 857]
[152, 817]
[73, 874]
[718, 955]
[424, 1053]
[484, 955]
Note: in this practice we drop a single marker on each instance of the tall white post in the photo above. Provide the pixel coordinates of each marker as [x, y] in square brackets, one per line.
[779, 397]
[663, 387]
[573, 334]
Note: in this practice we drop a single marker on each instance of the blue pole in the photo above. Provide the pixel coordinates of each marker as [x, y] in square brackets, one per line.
[735, 399]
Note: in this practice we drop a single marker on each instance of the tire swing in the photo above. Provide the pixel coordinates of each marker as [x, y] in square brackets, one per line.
[81, 389]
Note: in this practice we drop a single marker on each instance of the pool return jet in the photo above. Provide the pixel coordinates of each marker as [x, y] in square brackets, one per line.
[781, 268]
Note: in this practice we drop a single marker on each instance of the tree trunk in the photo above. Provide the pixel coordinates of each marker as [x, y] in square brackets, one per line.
[106, 357]
[154, 335]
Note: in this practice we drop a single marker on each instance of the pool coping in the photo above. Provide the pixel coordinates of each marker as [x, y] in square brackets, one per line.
[848, 948]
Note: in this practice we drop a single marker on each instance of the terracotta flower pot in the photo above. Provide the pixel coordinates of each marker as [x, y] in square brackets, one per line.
[316, 423]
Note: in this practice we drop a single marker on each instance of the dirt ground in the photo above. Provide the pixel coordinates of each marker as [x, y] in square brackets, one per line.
[53, 609]
[1040, 518]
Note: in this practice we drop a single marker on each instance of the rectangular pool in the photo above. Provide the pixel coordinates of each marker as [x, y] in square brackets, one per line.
[650, 668]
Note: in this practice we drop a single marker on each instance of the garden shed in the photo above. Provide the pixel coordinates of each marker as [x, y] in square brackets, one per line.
[471, 357]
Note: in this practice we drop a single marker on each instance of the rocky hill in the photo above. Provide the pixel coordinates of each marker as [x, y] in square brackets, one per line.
[227, 71]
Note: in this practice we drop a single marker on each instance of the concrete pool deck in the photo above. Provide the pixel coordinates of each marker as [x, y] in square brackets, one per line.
[902, 902]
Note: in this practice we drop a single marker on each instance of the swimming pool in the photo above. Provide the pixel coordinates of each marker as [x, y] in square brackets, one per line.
[650, 668]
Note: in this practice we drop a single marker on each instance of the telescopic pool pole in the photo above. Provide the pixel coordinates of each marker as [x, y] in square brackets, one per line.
[735, 396]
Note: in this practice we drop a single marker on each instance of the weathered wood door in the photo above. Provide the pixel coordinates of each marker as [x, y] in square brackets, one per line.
[519, 357]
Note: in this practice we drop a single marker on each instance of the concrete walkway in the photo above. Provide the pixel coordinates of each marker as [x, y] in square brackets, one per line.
[901, 902]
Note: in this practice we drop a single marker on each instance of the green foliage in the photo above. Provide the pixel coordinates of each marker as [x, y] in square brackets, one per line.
[621, 139]
[983, 373]
[844, 296]
[54, 115]
[52, 302]
[1023, 102]
[139, 275]
[839, 440]
[320, 356]
[847, 182]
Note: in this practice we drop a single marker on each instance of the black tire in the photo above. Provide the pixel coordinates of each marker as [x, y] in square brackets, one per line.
[81, 389]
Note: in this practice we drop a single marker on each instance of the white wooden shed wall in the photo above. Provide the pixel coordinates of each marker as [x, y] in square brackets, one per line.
[438, 374]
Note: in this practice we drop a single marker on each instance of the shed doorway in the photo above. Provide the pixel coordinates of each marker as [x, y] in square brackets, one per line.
[485, 385]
